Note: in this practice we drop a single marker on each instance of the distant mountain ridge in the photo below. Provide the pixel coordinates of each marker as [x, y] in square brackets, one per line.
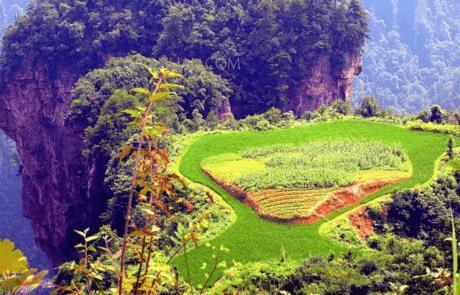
[413, 57]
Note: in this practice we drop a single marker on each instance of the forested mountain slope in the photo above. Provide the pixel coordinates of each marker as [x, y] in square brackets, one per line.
[412, 59]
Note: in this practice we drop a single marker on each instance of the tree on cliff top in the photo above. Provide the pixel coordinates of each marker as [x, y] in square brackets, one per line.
[263, 47]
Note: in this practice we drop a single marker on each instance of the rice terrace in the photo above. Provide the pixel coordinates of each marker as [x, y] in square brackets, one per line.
[280, 185]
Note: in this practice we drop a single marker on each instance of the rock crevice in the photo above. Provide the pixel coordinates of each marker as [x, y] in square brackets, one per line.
[325, 83]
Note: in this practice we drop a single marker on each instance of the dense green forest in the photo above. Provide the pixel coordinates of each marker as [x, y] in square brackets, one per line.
[263, 48]
[411, 59]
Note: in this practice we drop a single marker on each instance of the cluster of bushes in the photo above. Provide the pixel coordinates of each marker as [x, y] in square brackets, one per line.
[434, 120]
[437, 120]
[397, 266]
[437, 115]
[433, 127]
[426, 214]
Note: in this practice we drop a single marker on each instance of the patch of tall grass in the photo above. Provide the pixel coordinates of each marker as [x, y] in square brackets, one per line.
[319, 164]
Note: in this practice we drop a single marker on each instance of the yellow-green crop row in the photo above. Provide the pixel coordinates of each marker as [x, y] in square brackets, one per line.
[317, 164]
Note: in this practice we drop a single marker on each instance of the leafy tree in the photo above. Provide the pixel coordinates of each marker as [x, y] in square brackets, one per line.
[438, 115]
[425, 214]
[150, 175]
[396, 263]
[369, 107]
[197, 119]
[424, 116]
[202, 89]
[356, 26]
[342, 107]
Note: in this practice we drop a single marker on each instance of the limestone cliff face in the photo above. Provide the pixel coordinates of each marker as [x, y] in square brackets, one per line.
[325, 84]
[32, 113]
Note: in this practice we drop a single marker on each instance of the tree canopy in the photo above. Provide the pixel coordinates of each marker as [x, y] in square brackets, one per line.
[263, 47]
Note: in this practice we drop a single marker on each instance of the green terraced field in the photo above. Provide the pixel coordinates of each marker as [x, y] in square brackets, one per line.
[252, 238]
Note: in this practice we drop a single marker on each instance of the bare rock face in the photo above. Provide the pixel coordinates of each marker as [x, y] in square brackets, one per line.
[325, 84]
[225, 111]
[32, 113]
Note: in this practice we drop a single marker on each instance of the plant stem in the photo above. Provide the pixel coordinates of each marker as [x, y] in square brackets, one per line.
[454, 257]
[141, 262]
[143, 124]
[210, 275]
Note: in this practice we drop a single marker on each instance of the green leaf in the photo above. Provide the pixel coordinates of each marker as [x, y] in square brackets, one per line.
[144, 233]
[148, 211]
[141, 90]
[169, 86]
[153, 131]
[154, 73]
[133, 113]
[12, 260]
[92, 238]
[156, 97]
[170, 74]
[80, 233]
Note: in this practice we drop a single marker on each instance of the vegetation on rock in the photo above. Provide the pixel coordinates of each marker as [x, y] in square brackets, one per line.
[264, 48]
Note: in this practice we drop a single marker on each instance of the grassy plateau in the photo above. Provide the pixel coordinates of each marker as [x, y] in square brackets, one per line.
[252, 238]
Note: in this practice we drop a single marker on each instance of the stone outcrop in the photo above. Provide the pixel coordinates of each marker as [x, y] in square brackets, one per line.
[225, 111]
[325, 84]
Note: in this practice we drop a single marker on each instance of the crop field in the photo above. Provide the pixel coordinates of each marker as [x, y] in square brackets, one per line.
[317, 164]
[252, 238]
[289, 182]
[288, 204]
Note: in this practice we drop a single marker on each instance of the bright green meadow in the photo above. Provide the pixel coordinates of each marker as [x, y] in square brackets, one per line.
[252, 238]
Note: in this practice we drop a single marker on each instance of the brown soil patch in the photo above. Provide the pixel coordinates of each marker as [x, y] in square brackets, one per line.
[363, 223]
[343, 197]
[233, 190]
